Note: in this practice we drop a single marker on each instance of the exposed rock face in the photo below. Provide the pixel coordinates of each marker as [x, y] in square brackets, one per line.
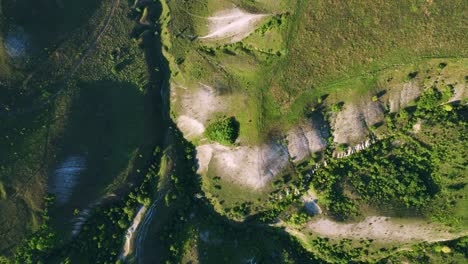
[353, 149]
[190, 127]
[305, 140]
[459, 92]
[349, 125]
[196, 107]
[373, 113]
[251, 166]
[400, 97]
[310, 203]
[255, 166]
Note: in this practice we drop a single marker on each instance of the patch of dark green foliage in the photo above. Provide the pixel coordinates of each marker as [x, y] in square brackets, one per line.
[224, 130]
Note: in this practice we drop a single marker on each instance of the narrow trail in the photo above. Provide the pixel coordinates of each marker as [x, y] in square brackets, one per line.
[66, 79]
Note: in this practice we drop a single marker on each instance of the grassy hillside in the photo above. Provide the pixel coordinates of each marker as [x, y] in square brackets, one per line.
[315, 46]
[85, 96]
[101, 78]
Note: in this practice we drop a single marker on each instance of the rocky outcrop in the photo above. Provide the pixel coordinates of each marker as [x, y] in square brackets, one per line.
[305, 140]
[400, 97]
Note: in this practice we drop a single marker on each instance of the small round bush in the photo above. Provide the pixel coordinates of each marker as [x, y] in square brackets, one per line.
[224, 130]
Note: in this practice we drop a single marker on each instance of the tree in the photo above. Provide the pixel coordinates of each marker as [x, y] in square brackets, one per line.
[224, 130]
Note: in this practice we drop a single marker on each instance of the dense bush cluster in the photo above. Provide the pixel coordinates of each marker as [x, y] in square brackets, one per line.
[386, 174]
[224, 130]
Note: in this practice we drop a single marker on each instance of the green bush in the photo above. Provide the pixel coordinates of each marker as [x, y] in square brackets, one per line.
[224, 130]
[337, 107]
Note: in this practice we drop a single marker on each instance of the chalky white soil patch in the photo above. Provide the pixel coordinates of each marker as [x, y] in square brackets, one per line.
[381, 228]
[310, 201]
[189, 126]
[65, 178]
[401, 96]
[305, 140]
[351, 124]
[234, 24]
[196, 107]
[16, 42]
[251, 166]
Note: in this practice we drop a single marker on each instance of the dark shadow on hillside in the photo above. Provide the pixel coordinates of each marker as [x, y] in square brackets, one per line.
[48, 20]
[104, 130]
[265, 243]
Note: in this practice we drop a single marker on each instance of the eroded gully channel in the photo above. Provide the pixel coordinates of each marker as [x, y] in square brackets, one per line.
[158, 92]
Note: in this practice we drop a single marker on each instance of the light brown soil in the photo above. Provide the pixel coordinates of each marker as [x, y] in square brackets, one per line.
[233, 24]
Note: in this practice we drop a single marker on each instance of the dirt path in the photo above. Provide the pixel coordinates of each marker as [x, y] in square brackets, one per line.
[234, 23]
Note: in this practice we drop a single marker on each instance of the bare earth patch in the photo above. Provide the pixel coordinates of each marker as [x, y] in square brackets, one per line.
[460, 92]
[234, 24]
[349, 125]
[381, 228]
[305, 140]
[190, 127]
[310, 201]
[196, 107]
[250, 166]
[400, 97]
[16, 43]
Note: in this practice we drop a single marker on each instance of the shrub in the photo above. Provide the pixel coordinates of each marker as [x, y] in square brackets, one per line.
[411, 76]
[342, 147]
[224, 130]
[337, 107]
[441, 65]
